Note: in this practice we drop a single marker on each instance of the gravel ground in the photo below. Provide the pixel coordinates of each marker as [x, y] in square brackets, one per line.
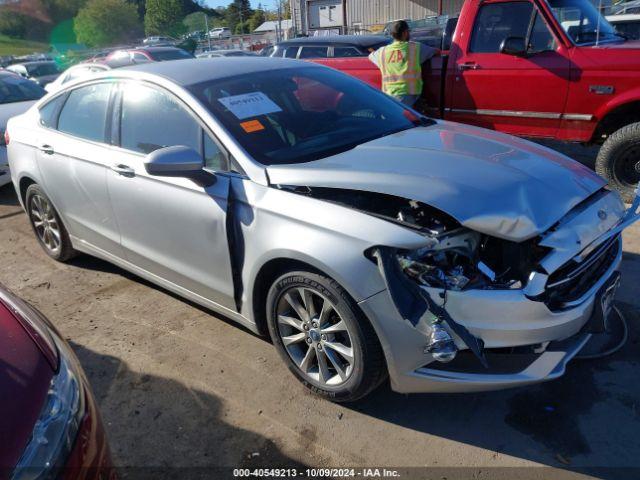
[181, 387]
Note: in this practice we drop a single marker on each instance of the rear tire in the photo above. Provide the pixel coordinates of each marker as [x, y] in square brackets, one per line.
[330, 347]
[47, 225]
[619, 160]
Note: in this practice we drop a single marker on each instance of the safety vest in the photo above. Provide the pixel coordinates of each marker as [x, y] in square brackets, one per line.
[401, 69]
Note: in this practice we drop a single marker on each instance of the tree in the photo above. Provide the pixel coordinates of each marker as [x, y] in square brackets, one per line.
[195, 21]
[105, 22]
[163, 17]
[238, 12]
[257, 19]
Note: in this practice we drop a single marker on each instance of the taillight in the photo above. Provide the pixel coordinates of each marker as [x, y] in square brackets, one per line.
[5, 139]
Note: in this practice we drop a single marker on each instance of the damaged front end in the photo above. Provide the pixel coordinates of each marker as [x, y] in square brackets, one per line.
[493, 312]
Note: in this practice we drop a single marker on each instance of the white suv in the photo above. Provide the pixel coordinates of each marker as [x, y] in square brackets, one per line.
[222, 32]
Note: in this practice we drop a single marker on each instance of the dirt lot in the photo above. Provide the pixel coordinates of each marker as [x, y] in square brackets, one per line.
[179, 387]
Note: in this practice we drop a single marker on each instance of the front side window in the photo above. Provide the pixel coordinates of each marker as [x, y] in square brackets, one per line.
[582, 21]
[16, 89]
[541, 39]
[214, 159]
[303, 114]
[313, 52]
[346, 52]
[152, 119]
[497, 21]
[84, 114]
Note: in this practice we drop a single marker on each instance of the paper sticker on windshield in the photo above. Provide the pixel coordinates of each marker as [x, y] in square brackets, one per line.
[252, 126]
[249, 105]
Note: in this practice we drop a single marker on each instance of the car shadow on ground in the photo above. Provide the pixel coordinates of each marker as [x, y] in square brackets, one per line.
[173, 430]
[562, 423]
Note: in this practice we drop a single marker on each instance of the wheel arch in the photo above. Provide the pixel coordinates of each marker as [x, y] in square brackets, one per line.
[616, 117]
[23, 184]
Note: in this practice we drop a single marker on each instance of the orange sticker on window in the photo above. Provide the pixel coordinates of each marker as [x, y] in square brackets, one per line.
[252, 126]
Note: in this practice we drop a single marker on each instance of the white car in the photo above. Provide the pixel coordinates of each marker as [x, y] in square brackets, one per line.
[77, 71]
[17, 94]
[222, 32]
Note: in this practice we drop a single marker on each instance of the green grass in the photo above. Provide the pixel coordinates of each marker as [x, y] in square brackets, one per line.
[14, 46]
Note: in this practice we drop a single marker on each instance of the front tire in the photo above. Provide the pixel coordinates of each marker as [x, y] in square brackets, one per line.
[619, 160]
[47, 225]
[323, 337]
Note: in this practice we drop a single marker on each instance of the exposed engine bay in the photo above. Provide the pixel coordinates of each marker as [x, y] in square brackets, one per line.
[456, 258]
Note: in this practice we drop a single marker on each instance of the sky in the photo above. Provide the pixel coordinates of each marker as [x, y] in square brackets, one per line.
[254, 3]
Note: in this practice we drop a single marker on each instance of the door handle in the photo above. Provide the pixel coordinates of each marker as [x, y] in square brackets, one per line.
[123, 170]
[46, 149]
[468, 66]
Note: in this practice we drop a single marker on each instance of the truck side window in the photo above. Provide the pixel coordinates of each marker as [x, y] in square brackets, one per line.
[541, 39]
[497, 21]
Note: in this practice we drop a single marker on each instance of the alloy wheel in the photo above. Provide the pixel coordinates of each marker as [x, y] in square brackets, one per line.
[44, 222]
[315, 336]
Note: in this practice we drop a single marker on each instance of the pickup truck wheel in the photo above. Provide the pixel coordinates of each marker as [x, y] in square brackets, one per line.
[323, 338]
[619, 160]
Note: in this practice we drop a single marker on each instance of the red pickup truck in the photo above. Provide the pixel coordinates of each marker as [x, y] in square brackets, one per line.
[552, 69]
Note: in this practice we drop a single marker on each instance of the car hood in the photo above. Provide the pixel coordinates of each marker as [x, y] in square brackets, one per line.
[490, 182]
[8, 110]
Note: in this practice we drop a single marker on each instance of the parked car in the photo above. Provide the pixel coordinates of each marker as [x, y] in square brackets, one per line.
[148, 54]
[626, 8]
[40, 72]
[327, 46]
[365, 239]
[226, 53]
[75, 72]
[17, 94]
[159, 40]
[50, 424]
[222, 32]
[490, 48]
[626, 24]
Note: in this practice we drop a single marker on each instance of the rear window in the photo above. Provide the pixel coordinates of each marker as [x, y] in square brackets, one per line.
[16, 89]
[84, 113]
[42, 69]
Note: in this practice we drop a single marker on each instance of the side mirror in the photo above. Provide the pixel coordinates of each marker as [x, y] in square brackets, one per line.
[178, 161]
[516, 46]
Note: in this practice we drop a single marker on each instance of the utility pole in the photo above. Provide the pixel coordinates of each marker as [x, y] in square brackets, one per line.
[206, 26]
[240, 13]
[279, 30]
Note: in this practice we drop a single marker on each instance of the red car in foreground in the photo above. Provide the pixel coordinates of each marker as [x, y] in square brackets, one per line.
[50, 426]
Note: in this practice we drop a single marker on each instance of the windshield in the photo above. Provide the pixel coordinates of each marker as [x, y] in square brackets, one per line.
[177, 54]
[302, 114]
[42, 69]
[582, 22]
[16, 89]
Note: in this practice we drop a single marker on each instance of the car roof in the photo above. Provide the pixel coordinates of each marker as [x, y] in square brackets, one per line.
[198, 70]
[358, 40]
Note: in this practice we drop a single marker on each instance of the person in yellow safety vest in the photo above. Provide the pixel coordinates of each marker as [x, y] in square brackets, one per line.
[401, 64]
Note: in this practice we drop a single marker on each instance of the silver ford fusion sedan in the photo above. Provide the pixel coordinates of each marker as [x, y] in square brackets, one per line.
[366, 240]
